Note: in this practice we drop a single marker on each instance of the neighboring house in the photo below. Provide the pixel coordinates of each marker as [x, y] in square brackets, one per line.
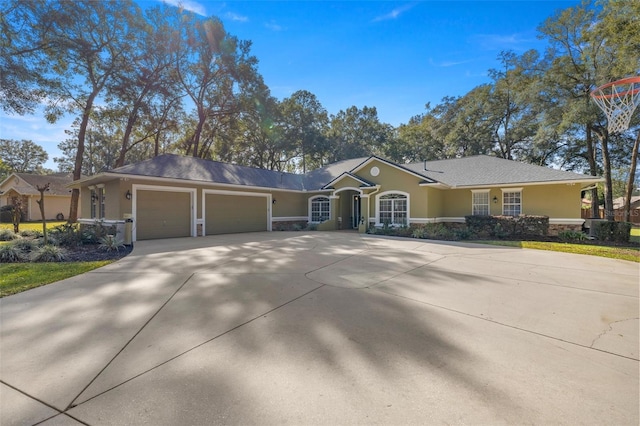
[634, 213]
[618, 209]
[57, 200]
[175, 196]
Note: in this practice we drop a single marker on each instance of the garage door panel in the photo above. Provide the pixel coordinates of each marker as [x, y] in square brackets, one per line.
[226, 214]
[163, 214]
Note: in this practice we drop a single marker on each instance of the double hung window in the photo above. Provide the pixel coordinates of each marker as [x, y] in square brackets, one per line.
[511, 203]
[320, 209]
[480, 204]
[393, 209]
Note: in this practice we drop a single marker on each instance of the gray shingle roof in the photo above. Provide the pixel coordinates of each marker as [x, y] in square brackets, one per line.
[468, 171]
[618, 203]
[485, 170]
[318, 178]
[57, 183]
[196, 169]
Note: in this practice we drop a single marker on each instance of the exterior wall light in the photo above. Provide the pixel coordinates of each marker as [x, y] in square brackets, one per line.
[127, 195]
[495, 200]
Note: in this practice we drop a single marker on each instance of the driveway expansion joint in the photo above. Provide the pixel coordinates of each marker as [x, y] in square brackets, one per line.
[58, 411]
[72, 404]
[261, 315]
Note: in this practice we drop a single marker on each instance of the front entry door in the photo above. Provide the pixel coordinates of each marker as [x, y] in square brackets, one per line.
[355, 212]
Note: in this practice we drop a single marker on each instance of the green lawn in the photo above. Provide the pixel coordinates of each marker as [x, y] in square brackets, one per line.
[635, 234]
[622, 253]
[17, 277]
[31, 226]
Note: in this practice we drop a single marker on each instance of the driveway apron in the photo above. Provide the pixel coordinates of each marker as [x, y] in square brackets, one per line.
[326, 328]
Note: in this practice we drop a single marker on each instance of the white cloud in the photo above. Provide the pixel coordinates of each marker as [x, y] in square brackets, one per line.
[395, 13]
[446, 64]
[236, 17]
[189, 5]
[516, 41]
[273, 26]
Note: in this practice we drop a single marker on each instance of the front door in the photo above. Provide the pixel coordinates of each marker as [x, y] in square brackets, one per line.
[355, 212]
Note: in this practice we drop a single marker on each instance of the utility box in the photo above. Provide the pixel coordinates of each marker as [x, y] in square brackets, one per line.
[128, 229]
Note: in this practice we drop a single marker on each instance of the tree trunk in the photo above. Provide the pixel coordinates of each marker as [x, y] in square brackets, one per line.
[124, 147]
[593, 169]
[603, 135]
[196, 137]
[77, 168]
[630, 181]
[40, 202]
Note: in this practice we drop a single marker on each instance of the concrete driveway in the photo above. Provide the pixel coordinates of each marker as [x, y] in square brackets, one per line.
[326, 328]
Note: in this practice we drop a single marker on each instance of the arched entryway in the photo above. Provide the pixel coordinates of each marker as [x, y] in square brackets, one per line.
[349, 207]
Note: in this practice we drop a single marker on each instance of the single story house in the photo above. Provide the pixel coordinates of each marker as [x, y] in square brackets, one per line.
[57, 199]
[176, 196]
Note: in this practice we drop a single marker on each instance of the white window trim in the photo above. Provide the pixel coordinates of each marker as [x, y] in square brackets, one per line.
[309, 206]
[481, 191]
[347, 188]
[393, 191]
[513, 190]
[93, 202]
[102, 205]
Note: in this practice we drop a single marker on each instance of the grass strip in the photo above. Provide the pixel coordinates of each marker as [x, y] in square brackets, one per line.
[31, 226]
[17, 277]
[621, 253]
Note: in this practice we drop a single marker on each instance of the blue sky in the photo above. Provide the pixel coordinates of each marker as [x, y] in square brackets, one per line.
[396, 56]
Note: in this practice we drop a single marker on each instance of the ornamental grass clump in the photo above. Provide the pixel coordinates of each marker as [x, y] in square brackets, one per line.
[26, 245]
[8, 235]
[9, 253]
[49, 253]
[111, 243]
[31, 233]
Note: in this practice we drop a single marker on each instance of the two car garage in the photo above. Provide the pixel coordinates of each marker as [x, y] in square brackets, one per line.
[170, 212]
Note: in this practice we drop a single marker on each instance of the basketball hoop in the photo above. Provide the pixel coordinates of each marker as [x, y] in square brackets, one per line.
[618, 100]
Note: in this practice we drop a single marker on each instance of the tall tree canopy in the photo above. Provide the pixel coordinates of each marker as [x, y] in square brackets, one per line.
[22, 156]
[358, 133]
[140, 83]
[305, 123]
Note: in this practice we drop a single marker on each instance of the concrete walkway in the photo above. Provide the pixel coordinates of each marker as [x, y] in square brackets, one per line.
[326, 328]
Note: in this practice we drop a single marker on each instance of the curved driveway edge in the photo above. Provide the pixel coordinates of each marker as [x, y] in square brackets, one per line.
[326, 328]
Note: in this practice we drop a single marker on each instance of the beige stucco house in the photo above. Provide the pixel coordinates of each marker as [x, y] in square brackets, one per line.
[57, 199]
[175, 196]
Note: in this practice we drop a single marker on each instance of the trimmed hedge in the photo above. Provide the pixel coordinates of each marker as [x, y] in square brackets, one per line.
[619, 232]
[508, 226]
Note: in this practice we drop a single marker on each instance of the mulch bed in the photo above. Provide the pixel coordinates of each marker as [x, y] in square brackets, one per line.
[91, 253]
